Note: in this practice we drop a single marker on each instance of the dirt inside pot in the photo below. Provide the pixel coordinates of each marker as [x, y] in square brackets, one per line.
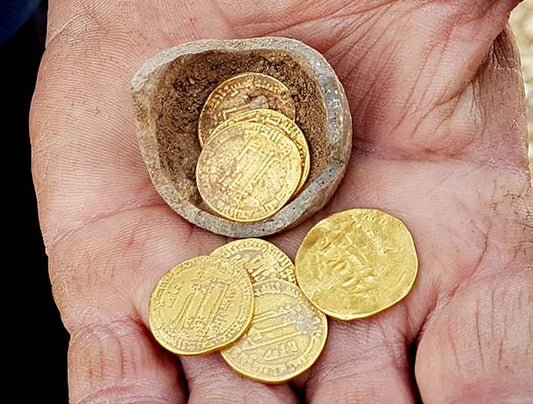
[185, 86]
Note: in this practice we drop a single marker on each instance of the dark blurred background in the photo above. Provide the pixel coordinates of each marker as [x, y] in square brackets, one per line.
[36, 340]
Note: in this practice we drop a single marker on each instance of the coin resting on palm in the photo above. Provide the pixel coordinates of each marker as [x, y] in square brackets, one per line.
[240, 93]
[248, 300]
[356, 263]
[248, 171]
[353, 264]
[201, 305]
[243, 299]
[286, 335]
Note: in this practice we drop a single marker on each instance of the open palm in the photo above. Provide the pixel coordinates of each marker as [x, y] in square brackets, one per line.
[439, 140]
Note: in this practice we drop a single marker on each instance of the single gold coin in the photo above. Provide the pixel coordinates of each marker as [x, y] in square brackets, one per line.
[248, 171]
[356, 263]
[276, 119]
[262, 260]
[286, 336]
[240, 93]
[201, 305]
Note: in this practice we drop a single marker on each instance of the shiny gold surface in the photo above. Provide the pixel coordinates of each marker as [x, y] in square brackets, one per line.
[285, 337]
[248, 171]
[275, 119]
[262, 260]
[356, 263]
[201, 305]
[243, 92]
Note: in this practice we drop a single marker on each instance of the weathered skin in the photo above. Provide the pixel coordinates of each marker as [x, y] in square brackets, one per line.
[439, 140]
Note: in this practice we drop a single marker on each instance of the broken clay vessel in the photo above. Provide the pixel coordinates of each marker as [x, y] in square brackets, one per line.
[170, 89]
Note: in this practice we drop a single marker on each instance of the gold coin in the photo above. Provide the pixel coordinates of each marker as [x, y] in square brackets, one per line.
[273, 118]
[240, 93]
[286, 336]
[201, 305]
[248, 171]
[262, 260]
[356, 263]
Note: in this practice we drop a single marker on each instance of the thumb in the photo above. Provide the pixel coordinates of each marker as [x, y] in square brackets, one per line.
[421, 77]
[427, 80]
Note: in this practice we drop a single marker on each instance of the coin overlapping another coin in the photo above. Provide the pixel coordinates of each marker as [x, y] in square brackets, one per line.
[201, 305]
[206, 303]
[267, 316]
[254, 157]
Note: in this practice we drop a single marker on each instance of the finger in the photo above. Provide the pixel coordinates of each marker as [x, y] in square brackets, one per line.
[477, 346]
[370, 359]
[127, 254]
[364, 360]
[414, 79]
[417, 74]
[211, 380]
[117, 362]
[99, 275]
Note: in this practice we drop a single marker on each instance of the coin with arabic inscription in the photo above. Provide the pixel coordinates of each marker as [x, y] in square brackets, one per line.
[248, 171]
[285, 338]
[262, 260]
[276, 119]
[356, 263]
[201, 305]
[243, 92]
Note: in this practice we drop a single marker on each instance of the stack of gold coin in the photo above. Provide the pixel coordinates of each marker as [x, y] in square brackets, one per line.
[267, 316]
[254, 157]
[244, 301]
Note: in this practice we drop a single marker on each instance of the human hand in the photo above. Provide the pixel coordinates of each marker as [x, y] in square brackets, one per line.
[439, 141]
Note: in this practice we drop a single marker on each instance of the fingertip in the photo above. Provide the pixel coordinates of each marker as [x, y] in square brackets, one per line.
[119, 362]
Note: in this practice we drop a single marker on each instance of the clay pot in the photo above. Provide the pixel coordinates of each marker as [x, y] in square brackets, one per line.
[170, 90]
